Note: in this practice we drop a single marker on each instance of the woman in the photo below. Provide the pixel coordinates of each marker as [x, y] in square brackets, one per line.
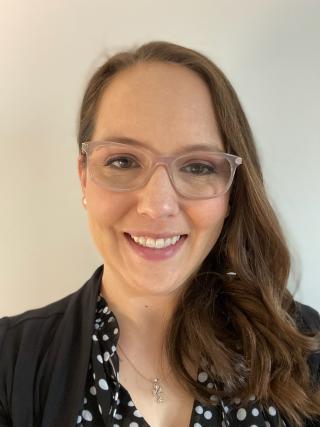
[189, 321]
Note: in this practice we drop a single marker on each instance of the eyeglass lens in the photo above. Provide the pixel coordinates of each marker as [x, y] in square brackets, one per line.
[200, 174]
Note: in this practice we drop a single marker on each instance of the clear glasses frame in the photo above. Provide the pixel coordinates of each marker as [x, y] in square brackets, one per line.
[154, 161]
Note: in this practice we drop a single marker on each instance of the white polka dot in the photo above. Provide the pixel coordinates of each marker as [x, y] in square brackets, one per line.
[208, 415]
[106, 356]
[115, 331]
[214, 398]
[118, 417]
[93, 390]
[100, 410]
[111, 319]
[255, 412]
[98, 320]
[225, 407]
[99, 357]
[105, 337]
[85, 400]
[130, 403]
[223, 424]
[272, 411]
[253, 425]
[87, 415]
[133, 424]
[103, 384]
[241, 414]
[202, 377]
[105, 310]
[252, 397]
[199, 410]
[79, 419]
[209, 385]
[94, 337]
[268, 424]
[197, 425]
[113, 348]
[137, 414]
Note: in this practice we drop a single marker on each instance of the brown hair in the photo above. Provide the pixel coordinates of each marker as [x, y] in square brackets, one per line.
[241, 328]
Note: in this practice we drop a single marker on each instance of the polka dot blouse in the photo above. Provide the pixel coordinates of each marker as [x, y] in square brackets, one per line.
[107, 403]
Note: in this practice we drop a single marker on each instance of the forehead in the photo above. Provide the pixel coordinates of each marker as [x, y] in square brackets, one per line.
[160, 104]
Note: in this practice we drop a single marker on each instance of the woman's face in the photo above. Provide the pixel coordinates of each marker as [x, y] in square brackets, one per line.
[168, 108]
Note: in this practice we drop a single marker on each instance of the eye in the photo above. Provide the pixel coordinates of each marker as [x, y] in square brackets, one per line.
[199, 168]
[121, 162]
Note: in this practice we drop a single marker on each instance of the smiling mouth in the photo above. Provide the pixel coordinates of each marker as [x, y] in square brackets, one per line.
[160, 243]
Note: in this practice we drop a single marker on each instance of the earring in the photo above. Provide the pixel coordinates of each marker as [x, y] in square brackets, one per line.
[84, 201]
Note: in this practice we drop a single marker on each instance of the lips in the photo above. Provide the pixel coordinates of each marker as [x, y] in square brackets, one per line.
[154, 253]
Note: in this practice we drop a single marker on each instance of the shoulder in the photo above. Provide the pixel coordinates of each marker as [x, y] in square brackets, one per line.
[31, 328]
[307, 318]
[24, 341]
[34, 328]
[38, 343]
[54, 309]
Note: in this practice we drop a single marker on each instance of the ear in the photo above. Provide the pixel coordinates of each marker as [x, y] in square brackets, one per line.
[82, 172]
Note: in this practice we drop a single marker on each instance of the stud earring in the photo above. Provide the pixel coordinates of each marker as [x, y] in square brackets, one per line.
[84, 201]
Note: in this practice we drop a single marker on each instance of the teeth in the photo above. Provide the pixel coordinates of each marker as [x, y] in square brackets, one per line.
[155, 243]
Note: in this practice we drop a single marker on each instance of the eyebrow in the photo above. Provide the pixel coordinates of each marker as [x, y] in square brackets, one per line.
[135, 142]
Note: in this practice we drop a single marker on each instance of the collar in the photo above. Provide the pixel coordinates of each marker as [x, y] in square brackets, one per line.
[62, 374]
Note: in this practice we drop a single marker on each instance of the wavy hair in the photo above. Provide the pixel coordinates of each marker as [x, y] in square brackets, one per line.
[241, 328]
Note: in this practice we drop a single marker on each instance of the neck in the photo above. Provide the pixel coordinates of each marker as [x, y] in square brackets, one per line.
[143, 317]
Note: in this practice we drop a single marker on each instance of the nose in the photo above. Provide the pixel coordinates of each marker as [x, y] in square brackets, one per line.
[158, 198]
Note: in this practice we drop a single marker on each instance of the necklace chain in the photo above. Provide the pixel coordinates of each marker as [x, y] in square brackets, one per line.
[156, 387]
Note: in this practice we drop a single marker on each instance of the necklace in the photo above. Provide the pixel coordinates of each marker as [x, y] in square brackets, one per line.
[156, 387]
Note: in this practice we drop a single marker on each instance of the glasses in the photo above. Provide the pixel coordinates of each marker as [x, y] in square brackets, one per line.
[196, 175]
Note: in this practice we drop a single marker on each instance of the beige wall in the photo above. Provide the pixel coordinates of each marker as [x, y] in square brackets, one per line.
[268, 48]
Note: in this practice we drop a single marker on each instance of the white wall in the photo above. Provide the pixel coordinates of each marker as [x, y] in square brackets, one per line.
[268, 48]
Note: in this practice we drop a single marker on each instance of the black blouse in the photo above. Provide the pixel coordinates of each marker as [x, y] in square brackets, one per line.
[107, 403]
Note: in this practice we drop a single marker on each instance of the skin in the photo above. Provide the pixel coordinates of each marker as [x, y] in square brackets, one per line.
[168, 108]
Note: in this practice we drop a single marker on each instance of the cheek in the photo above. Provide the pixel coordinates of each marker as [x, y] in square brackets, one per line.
[105, 208]
[207, 221]
[209, 215]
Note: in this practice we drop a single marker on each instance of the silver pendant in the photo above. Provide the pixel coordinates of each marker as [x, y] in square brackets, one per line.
[157, 391]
